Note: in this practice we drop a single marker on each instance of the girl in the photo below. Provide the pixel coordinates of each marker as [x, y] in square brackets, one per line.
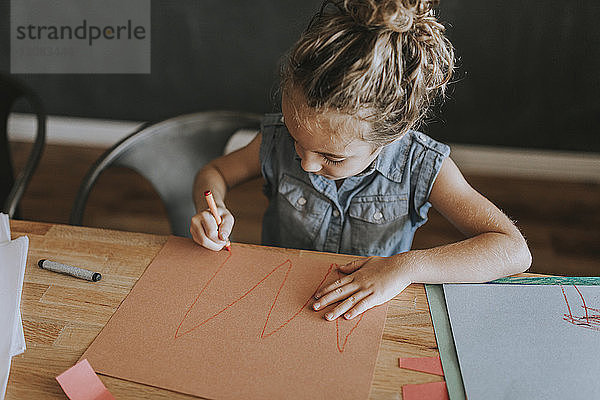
[345, 171]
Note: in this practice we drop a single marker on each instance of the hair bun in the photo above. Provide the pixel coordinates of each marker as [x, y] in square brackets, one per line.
[392, 15]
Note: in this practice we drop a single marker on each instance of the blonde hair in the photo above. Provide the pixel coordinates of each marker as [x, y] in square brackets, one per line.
[383, 61]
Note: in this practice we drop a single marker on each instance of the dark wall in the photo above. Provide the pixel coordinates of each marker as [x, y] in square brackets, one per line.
[528, 70]
[529, 74]
[206, 54]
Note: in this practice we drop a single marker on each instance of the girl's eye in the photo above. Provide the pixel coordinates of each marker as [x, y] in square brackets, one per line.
[332, 162]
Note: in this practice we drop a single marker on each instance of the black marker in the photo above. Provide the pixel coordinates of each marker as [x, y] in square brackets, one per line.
[70, 270]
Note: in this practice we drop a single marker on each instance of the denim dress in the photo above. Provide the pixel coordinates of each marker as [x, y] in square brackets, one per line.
[374, 213]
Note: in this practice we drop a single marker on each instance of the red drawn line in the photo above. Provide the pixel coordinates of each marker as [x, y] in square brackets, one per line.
[229, 305]
[337, 329]
[587, 321]
[583, 301]
[200, 294]
[566, 301]
[264, 334]
[341, 348]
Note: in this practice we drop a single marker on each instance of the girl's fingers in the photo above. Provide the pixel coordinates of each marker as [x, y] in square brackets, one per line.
[336, 295]
[361, 307]
[205, 231]
[197, 231]
[195, 227]
[208, 236]
[226, 226]
[209, 244]
[209, 225]
[340, 282]
[347, 305]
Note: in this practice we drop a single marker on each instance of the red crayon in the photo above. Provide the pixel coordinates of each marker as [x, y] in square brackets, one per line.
[213, 209]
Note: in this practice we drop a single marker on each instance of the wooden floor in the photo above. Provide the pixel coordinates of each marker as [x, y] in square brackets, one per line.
[561, 220]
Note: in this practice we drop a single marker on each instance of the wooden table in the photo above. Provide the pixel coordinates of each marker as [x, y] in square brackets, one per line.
[62, 315]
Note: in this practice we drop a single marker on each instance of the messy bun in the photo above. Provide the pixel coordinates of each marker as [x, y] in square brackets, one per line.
[396, 16]
[389, 58]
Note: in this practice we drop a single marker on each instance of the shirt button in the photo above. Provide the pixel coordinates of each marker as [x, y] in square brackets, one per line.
[302, 201]
[336, 213]
[378, 215]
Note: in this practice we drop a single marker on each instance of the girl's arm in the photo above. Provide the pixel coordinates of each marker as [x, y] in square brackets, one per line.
[494, 248]
[219, 176]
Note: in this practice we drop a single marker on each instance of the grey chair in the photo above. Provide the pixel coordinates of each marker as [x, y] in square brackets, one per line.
[11, 188]
[169, 154]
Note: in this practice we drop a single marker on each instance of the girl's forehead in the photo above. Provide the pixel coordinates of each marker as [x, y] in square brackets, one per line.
[324, 131]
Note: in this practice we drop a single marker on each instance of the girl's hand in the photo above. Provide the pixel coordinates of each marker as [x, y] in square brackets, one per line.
[371, 282]
[205, 231]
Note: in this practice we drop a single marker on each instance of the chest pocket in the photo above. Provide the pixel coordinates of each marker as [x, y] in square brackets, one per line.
[301, 211]
[377, 222]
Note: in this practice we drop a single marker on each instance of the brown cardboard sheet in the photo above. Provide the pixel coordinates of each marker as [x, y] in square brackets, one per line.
[238, 325]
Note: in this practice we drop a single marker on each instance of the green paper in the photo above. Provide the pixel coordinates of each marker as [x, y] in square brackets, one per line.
[550, 280]
[445, 341]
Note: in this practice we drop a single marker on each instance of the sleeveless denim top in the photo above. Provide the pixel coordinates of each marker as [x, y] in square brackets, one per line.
[374, 213]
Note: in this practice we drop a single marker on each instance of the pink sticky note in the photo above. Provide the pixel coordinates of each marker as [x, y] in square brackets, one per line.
[430, 391]
[80, 382]
[430, 365]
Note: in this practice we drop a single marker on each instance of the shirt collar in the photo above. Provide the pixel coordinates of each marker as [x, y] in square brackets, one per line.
[392, 159]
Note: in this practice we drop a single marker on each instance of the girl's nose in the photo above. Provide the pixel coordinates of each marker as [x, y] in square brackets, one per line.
[310, 164]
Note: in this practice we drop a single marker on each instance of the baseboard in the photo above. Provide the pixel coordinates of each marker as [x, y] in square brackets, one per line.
[472, 159]
[523, 163]
[71, 130]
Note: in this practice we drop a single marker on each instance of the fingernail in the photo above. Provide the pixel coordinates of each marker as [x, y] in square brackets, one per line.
[316, 306]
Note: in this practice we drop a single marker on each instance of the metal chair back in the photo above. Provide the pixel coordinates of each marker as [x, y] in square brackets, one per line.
[169, 154]
[11, 188]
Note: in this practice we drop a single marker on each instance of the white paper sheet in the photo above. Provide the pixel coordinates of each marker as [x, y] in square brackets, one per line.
[13, 256]
[4, 229]
[18, 338]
